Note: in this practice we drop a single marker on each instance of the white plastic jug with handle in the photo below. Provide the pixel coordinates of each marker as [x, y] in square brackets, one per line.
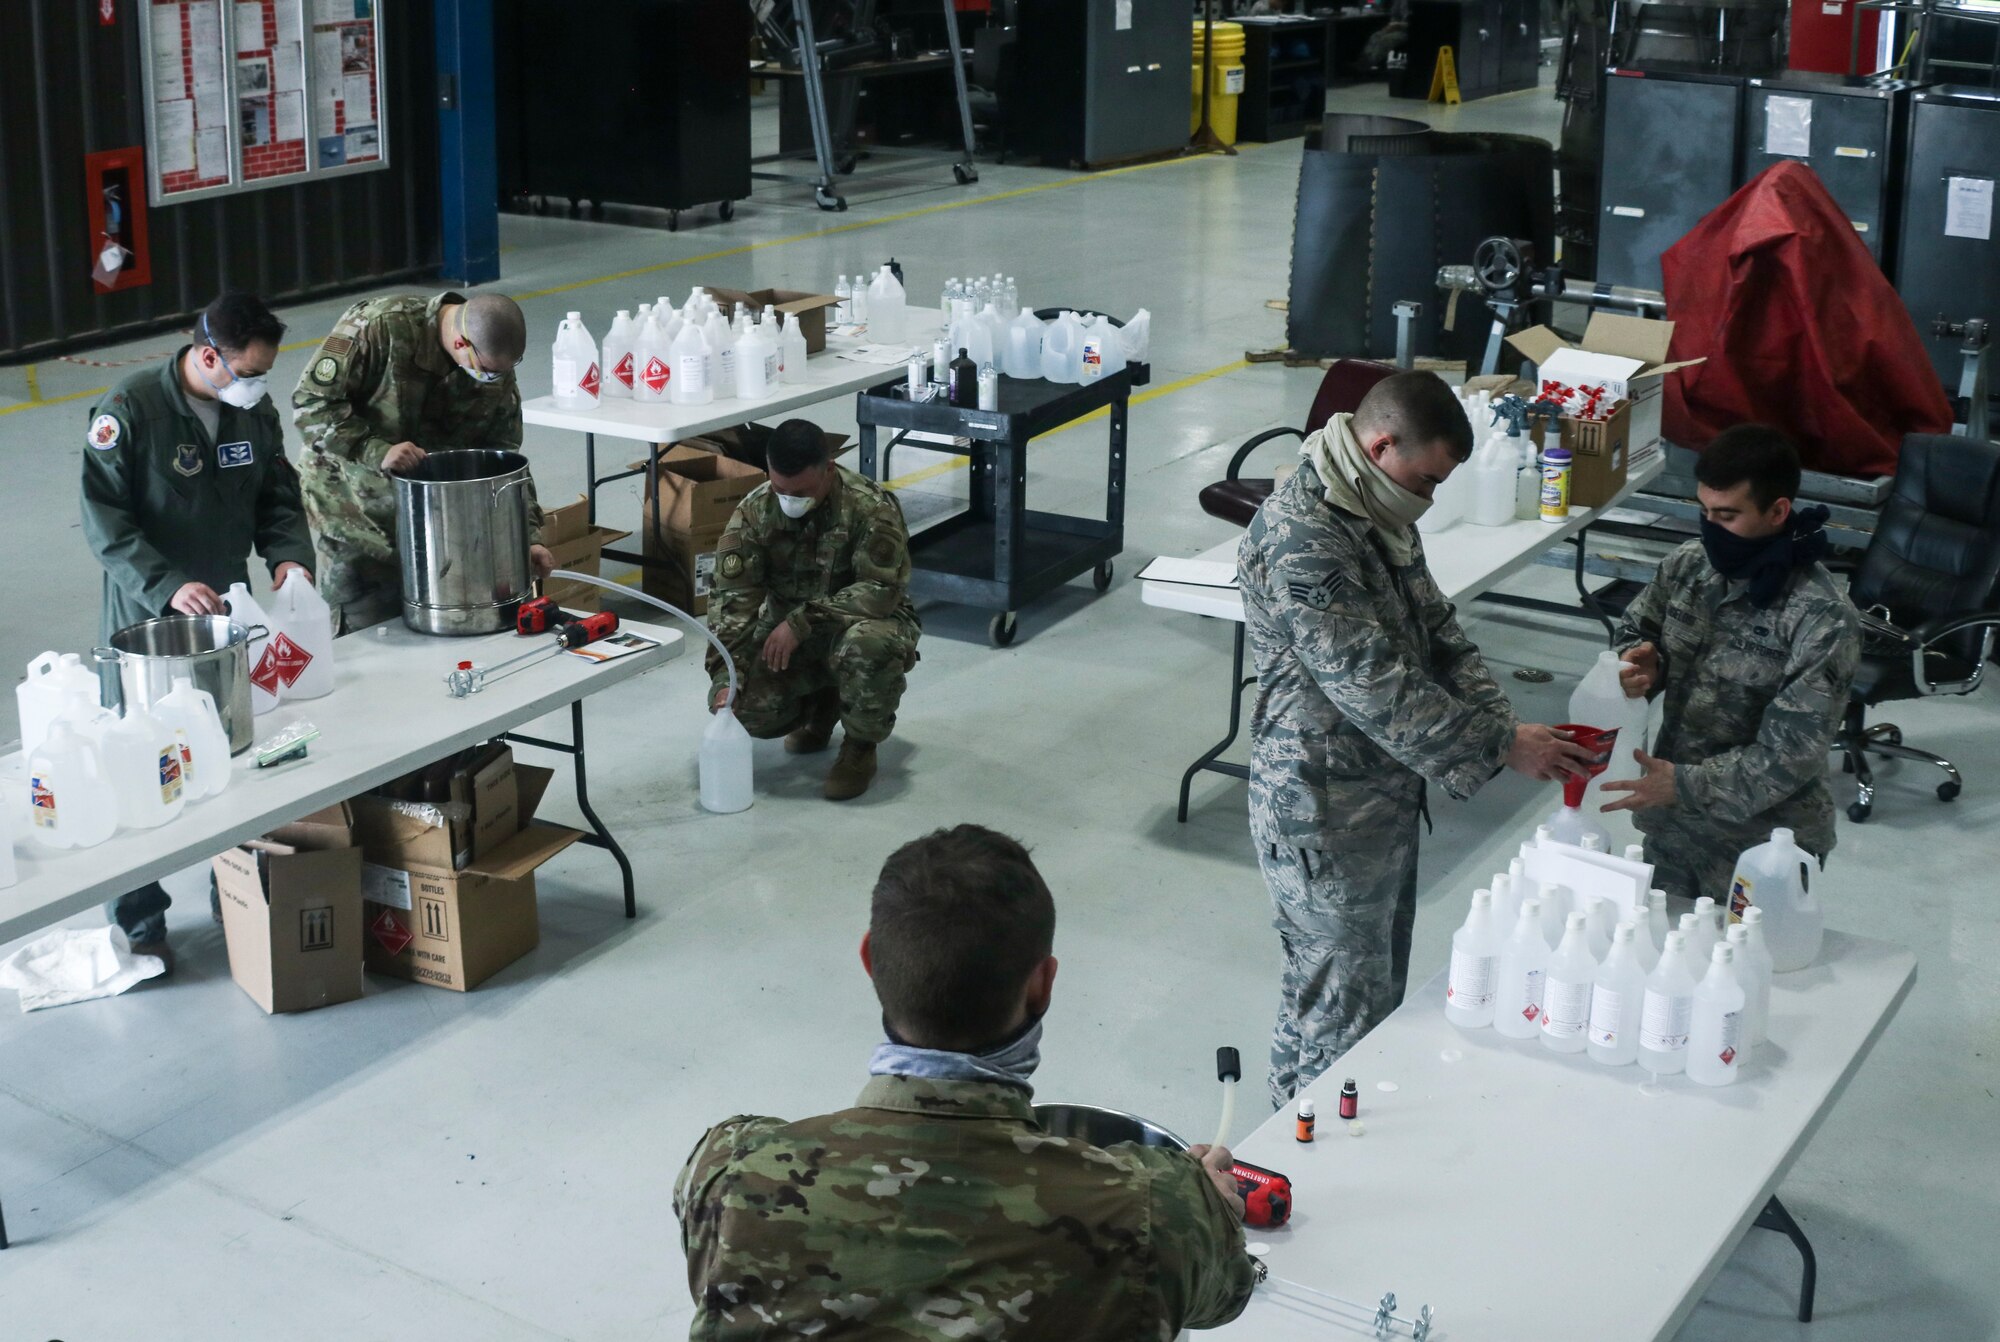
[71, 802]
[1776, 877]
[1137, 337]
[142, 762]
[725, 765]
[620, 372]
[1600, 701]
[264, 685]
[886, 305]
[305, 621]
[756, 364]
[692, 368]
[577, 375]
[1062, 349]
[55, 683]
[204, 743]
[1023, 356]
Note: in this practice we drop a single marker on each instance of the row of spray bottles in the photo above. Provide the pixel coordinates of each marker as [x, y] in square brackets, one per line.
[1503, 480]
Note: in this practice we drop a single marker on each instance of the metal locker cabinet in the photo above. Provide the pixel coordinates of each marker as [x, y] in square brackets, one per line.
[1109, 79]
[1670, 156]
[1851, 133]
[1954, 132]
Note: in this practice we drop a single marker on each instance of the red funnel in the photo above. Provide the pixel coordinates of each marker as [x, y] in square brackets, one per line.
[1599, 743]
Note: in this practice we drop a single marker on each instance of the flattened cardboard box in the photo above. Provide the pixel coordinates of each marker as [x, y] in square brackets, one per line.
[490, 793]
[456, 929]
[291, 913]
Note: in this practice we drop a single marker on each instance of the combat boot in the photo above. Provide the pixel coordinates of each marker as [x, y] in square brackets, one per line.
[852, 771]
[817, 733]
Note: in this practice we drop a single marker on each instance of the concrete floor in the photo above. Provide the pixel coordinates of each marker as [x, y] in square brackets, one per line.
[498, 1165]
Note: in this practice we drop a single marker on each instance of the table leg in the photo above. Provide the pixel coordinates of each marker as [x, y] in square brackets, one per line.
[1775, 1217]
[1237, 684]
[1114, 489]
[1010, 507]
[599, 836]
[866, 447]
[3, 1229]
[1589, 598]
[590, 475]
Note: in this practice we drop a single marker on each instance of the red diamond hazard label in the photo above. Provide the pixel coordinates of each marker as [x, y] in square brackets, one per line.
[1729, 1055]
[656, 375]
[1532, 1010]
[282, 663]
[622, 370]
[387, 928]
[591, 380]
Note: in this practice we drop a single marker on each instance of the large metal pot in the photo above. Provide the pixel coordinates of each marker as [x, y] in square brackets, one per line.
[213, 651]
[462, 532]
[1104, 1127]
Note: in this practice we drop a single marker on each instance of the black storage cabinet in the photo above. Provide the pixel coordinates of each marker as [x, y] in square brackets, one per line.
[1285, 70]
[1954, 132]
[1496, 46]
[1672, 150]
[1852, 131]
[1087, 91]
[637, 102]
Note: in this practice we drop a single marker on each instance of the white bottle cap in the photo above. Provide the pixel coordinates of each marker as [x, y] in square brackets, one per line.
[1677, 941]
[1703, 905]
[1722, 955]
[1531, 906]
[1574, 922]
[1738, 934]
[1305, 1108]
[1688, 923]
[1656, 896]
[1625, 931]
[1482, 899]
[624, 312]
[1782, 835]
[1753, 916]
[576, 316]
[1635, 852]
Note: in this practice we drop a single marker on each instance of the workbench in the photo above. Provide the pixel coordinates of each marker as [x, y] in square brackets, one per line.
[1467, 561]
[1524, 1194]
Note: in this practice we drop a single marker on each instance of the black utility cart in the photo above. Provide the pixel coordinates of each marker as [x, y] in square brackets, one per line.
[999, 554]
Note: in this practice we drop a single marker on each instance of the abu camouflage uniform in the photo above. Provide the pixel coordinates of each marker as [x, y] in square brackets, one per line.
[939, 1211]
[1753, 699]
[381, 378]
[1366, 689]
[840, 576]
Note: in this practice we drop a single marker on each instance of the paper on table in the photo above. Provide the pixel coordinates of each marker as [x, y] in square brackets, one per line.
[1968, 208]
[211, 155]
[610, 649]
[1190, 572]
[249, 26]
[291, 116]
[169, 79]
[358, 91]
[888, 356]
[1590, 875]
[173, 135]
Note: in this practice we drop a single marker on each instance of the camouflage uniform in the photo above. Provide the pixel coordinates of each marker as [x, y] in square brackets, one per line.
[1753, 699]
[379, 379]
[939, 1211]
[1366, 689]
[840, 576]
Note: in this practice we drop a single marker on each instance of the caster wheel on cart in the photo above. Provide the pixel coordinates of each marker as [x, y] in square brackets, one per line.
[827, 200]
[965, 173]
[673, 221]
[726, 211]
[575, 208]
[597, 210]
[538, 204]
[1948, 791]
[1858, 811]
[1002, 629]
[1100, 578]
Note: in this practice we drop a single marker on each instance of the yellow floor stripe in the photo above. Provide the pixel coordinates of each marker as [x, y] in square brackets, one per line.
[34, 384]
[53, 400]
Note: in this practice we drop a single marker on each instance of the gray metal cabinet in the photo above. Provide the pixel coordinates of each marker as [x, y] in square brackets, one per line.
[1944, 267]
[1105, 79]
[1848, 131]
[1671, 146]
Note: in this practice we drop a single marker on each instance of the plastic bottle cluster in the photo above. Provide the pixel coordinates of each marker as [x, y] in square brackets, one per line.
[983, 321]
[690, 355]
[1501, 482]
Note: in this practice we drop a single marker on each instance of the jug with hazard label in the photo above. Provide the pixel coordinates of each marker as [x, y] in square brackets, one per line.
[264, 682]
[300, 649]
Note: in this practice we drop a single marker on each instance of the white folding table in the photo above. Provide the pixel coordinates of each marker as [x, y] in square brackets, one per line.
[1467, 561]
[1524, 1194]
[825, 376]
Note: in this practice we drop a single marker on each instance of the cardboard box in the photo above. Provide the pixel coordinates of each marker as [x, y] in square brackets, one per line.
[583, 554]
[1600, 455]
[811, 310]
[565, 523]
[483, 811]
[291, 913]
[681, 567]
[1628, 355]
[456, 928]
[699, 489]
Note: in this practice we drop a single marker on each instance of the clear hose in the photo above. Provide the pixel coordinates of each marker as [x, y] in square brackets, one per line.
[673, 610]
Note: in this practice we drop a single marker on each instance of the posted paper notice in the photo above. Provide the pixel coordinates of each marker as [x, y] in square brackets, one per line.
[169, 79]
[1968, 208]
[249, 27]
[291, 116]
[211, 155]
[173, 135]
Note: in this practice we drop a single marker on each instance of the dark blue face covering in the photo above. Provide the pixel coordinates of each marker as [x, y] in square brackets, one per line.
[1767, 562]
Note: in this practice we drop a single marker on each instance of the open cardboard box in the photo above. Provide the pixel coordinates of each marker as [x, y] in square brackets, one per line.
[456, 928]
[579, 547]
[291, 913]
[486, 812]
[1627, 355]
[808, 309]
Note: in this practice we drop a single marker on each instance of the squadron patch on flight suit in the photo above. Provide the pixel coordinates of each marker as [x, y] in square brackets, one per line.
[105, 433]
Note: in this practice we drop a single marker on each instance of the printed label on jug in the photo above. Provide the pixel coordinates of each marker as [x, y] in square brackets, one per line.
[1531, 1008]
[170, 776]
[622, 370]
[1566, 1009]
[1732, 1035]
[591, 381]
[1663, 1022]
[657, 376]
[1471, 982]
[1740, 891]
[1607, 1007]
[42, 798]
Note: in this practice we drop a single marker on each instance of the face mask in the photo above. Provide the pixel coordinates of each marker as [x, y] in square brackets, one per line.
[244, 393]
[796, 506]
[473, 370]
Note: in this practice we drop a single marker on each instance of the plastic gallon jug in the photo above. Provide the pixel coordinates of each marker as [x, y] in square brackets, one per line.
[756, 364]
[578, 376]
[1138, 337]
[55, 682]
[721, 355]
[887, 304]
[1600, 701]
[70, 801]
[141, 756]
[1062, 349]
[652, 356]
[1775, 877]
[1102, 354]
[243, 609]
[204, 744]
[1024, 346]
[620, 374]
[1492, 491]
[692, 370]
[725, 765]
[302, 639]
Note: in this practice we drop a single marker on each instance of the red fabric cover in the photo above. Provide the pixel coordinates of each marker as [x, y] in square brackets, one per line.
[1800, 328]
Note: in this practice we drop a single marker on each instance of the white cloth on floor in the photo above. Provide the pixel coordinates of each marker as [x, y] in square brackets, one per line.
[76, 964]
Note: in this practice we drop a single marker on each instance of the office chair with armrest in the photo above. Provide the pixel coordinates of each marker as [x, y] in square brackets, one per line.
[1926, 586]
[1236, 499]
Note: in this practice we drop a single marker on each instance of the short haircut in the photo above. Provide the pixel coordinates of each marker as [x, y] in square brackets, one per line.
[796, 446]
[236, 320]
[1417, 409]
[496, 328]
[1757, 453]
[960, 919]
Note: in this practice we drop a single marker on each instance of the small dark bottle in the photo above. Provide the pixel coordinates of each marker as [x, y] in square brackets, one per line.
[962, 379]
[1350, 1099]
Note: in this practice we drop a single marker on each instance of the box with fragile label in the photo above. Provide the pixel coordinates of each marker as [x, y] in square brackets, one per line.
[1600, 454]
[291, 913]
[456, 928]
[1627, 356]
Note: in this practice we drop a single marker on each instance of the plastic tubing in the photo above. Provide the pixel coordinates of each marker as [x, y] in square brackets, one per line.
[675, 611]
[1228, 1113]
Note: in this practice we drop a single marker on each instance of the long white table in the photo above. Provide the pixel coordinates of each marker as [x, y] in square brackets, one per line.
[1467, 561]
[389, 714]
[1525, 1194]
[825, 376]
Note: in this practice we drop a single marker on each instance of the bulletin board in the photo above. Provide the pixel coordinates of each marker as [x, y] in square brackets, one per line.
[242, 94]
